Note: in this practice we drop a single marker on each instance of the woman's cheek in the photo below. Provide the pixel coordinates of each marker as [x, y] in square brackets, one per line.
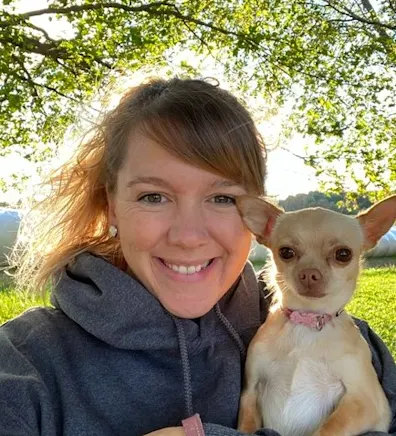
[228, 224]
[144, 231]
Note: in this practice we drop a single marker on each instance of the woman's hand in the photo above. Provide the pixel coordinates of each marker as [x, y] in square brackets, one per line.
[169, 431]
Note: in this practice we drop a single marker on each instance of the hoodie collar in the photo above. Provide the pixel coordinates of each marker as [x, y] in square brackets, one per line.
[116, 308]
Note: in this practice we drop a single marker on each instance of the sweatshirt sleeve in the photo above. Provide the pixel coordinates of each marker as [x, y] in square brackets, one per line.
[22, 391]
[219, 430]
[19, 392]
[385, 367]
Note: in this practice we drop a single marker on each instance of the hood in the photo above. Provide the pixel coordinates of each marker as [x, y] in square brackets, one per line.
[116, 308]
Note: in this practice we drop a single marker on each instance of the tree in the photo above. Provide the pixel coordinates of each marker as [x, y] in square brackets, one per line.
[334, 60]
[337, 202]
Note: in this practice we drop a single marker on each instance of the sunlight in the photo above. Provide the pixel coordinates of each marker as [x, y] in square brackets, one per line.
[287, 174]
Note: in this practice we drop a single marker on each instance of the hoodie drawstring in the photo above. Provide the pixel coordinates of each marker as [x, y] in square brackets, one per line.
[231, 330]
[181, 336]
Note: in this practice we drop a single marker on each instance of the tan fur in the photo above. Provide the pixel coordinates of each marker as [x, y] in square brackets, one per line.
[298, 380]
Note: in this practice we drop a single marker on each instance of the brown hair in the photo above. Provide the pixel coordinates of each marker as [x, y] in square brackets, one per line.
[194, 120]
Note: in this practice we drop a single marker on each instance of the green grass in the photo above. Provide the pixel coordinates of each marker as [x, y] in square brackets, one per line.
[13, 303]
[374, 301]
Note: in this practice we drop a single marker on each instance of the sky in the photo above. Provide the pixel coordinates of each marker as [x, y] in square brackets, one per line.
[286, 173]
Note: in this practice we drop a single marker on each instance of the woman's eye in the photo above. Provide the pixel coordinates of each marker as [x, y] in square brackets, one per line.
[223, 199]
[153, 198]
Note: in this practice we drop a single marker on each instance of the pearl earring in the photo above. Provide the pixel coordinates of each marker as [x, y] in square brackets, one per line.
[113, 231]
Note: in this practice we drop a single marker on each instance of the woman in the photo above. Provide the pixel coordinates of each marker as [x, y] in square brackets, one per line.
[154, 303]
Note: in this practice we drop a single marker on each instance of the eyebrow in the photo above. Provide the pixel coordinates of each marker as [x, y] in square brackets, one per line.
[223, 183]
[148, 180]
[218, 183]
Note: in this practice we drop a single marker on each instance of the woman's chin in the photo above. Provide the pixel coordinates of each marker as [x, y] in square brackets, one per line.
[189, 310]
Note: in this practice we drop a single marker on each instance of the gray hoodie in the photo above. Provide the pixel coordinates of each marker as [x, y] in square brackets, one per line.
[108, 359]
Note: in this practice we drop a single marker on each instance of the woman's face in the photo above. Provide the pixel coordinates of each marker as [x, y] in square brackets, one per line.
[179, 229]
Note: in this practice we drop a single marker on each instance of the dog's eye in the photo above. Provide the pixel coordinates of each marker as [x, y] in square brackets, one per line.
[286, 253]
[343, 255]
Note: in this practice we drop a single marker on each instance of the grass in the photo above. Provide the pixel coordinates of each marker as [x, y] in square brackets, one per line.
[374, 301]
[13, 303]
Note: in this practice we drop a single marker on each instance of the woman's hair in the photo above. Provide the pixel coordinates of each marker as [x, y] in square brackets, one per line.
[193, 120]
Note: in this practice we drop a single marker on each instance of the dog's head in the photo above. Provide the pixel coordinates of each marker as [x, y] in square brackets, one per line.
[316, 252]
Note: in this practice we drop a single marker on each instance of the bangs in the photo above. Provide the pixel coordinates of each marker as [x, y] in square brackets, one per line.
[216, 139]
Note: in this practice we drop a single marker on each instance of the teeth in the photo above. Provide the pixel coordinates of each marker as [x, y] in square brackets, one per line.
[193, 269]
[182, 269]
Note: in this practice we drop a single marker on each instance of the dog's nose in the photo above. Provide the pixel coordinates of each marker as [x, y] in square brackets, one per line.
[310, 278]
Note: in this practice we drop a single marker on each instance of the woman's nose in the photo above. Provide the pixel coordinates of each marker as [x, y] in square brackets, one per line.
[188, 228]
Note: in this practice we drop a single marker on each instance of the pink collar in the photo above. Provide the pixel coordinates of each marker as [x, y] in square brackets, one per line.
[314, 320]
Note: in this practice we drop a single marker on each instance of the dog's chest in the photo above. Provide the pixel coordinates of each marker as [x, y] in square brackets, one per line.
[298, 392]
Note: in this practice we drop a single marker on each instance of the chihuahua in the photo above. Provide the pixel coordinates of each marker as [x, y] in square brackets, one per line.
[308, 369]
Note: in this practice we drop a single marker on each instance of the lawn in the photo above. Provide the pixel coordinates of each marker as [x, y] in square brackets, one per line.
[13, 303]
[375, 301]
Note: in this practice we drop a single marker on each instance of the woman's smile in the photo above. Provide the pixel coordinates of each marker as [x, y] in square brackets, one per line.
[192, 268]
[188, 273]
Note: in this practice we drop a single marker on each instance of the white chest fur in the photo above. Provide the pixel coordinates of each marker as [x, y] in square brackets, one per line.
[299, 392]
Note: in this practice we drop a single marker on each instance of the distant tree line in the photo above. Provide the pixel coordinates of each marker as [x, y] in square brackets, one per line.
[337, 202]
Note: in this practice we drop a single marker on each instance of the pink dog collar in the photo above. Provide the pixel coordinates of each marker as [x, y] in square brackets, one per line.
[193, 426]
[310, 319]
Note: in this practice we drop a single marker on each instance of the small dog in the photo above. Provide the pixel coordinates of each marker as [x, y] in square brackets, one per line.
[308, 369]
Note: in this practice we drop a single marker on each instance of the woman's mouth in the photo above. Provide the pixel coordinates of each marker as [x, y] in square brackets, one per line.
[187, 269]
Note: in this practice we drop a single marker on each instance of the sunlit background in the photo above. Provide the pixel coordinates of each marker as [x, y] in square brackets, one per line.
[287, 174]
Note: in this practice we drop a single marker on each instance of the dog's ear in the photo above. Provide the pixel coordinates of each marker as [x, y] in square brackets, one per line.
[258, 215]
[377, 220]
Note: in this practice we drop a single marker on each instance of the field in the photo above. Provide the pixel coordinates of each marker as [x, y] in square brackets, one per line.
[375, 302]
[13, 303]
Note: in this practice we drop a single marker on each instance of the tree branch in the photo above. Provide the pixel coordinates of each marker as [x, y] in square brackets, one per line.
[305, 159]
[203, 42]
[369, 8]
[348, 12]
[158, 8]
[48, 88]
[43, 31]
[34, 46]
[49, 49]
[392, 5]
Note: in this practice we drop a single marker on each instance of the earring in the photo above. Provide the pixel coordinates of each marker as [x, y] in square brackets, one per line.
[113, 231]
